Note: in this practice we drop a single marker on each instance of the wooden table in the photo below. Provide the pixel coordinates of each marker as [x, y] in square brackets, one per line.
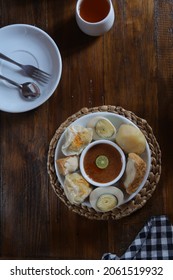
[130, 66]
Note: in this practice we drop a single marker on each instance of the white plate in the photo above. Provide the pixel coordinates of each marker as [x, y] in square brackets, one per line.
[117, 120]
[28, 45]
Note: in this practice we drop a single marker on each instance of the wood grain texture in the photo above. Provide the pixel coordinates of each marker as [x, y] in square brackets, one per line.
[130, 66]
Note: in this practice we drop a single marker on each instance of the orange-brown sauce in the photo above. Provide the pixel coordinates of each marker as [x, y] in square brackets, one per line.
[94, 10]
[111, 171]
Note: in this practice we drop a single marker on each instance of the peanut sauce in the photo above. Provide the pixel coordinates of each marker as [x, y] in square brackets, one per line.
[111, 171]
[94, 10]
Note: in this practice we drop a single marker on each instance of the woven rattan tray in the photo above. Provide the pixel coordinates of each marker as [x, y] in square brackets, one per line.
[146, 192]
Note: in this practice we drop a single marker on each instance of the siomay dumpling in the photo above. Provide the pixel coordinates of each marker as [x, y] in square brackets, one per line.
[134, 173]
[76, 188]
[67, 165]
[131, 139]
[77, 138]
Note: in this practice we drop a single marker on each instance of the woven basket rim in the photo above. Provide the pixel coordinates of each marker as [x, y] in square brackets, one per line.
[145, 193]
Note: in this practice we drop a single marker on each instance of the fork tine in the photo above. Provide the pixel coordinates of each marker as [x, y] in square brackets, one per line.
[40, 79]
[44, 73]
[40, 76]
[37, 74]
[41, 72]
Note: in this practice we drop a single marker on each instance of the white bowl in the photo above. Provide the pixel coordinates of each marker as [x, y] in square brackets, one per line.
[88, 177]
[95, 28]
[27, 44]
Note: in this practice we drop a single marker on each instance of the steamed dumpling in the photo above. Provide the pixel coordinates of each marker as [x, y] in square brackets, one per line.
[77, 138]
[102, 128]
[67, 164]
[134, 173]
[76, 188]
[131, 139]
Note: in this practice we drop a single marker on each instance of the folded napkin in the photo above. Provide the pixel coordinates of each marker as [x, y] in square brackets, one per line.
[153, 242]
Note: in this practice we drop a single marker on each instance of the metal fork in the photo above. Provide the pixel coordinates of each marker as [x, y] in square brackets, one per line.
[30, 70]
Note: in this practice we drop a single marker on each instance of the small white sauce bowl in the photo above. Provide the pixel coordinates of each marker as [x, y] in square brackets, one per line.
[90, 180]
[95, 28]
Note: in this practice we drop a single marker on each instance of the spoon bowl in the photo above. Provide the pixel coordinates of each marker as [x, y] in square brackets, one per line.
[29, 90]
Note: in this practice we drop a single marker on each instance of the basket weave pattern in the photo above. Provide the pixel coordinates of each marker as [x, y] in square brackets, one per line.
[141, 198]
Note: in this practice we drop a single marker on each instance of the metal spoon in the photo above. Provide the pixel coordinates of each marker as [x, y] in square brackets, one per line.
[29, 90]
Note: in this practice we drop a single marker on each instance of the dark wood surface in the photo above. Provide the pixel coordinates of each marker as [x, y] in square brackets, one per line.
[130, 66]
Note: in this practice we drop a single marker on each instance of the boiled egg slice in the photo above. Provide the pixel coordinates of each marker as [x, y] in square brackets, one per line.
[106, 199]
[102, 128]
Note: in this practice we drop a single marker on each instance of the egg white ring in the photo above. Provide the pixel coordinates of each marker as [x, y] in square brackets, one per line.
[96, 193]
[92, 124]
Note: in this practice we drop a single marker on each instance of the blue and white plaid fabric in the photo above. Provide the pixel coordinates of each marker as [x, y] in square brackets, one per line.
[153, 242]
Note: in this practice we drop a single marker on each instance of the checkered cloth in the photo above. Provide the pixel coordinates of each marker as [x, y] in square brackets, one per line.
[153, 242]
